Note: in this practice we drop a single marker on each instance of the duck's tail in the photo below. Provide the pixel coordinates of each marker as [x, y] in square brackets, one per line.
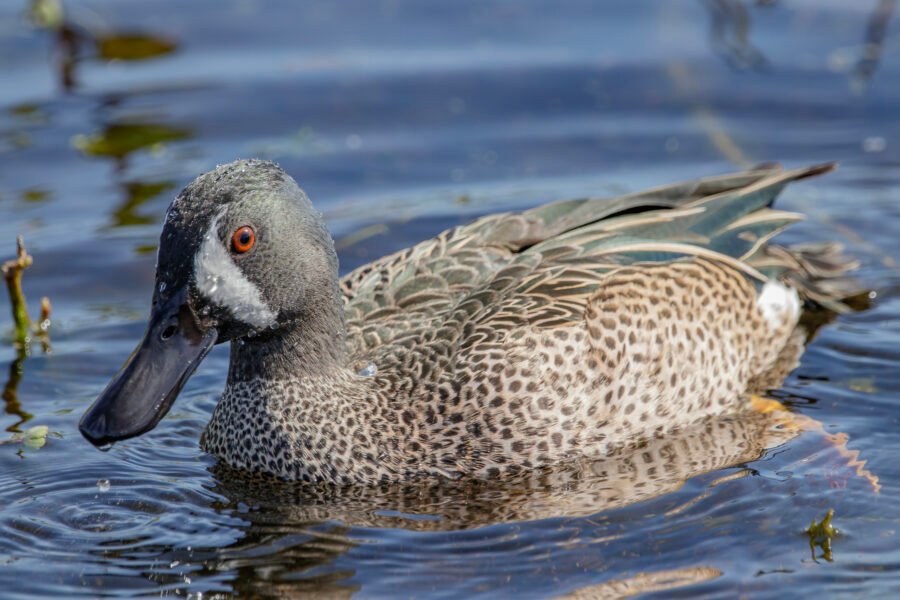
[818, 271]
[727, 217]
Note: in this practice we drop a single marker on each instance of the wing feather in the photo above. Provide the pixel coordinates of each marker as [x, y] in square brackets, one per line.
[540, 267]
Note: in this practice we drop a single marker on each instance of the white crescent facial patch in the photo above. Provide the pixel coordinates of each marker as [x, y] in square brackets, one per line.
[222, 282]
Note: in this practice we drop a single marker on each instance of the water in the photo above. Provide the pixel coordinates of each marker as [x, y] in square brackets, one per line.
[401, 119]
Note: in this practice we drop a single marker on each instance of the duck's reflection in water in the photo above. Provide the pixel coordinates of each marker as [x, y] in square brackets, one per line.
[295, 532]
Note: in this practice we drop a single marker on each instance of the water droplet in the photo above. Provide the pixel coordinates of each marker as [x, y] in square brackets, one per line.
[874, 144]
[456, 106]
[103, 485]
[370, 370]
[354, 142]
[45, 325]
[672, 145]
[174, 564]
[162, 286]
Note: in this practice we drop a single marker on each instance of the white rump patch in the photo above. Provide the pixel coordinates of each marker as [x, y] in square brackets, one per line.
[223, 283]
[778, 303]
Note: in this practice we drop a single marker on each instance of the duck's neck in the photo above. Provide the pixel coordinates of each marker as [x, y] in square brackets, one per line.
[309, 347]
[292, 406]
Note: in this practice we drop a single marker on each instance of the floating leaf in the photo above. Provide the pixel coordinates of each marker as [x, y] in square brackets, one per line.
[28, 113]
[25, 109]
[133, 46]
[865, 385]
[18, 140]
[121, 139]
[35, 194]
[35, 437]
[46, 14]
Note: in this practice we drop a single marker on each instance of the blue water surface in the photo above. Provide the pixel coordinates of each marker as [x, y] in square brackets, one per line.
[401, 119]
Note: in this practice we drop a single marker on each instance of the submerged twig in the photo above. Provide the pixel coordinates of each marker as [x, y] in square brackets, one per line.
[872, 50]
[25, 330]
[11, 392]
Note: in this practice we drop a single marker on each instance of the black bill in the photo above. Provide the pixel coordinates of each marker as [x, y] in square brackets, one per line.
[144, 390]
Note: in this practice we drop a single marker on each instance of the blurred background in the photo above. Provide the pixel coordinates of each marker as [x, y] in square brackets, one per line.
[400, 119]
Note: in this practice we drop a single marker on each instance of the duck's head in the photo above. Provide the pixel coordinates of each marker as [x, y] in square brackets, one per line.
[242, 255]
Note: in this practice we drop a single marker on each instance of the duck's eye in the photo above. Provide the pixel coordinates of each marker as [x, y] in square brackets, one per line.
[243, 239]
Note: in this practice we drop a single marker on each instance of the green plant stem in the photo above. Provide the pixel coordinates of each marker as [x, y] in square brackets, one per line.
[12, 273]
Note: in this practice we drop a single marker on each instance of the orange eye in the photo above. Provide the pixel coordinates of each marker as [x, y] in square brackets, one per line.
[243, 239]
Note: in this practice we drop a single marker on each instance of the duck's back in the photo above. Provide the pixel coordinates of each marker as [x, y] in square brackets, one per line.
[524, 338]
[554, 255]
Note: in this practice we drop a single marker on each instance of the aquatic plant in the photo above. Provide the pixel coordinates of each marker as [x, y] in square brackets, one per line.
[25, 328]
[821, 534]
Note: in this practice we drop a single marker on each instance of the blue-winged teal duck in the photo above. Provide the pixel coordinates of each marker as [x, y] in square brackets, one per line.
[514, 342]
